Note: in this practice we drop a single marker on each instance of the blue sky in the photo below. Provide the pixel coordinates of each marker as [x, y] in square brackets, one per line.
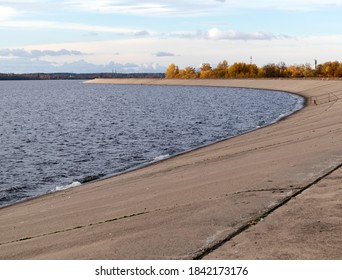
[146, 36]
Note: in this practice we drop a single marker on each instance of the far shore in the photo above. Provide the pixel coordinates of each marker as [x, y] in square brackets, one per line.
[273, 193]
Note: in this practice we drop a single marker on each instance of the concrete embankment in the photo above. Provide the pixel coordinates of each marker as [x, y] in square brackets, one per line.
[272, 193]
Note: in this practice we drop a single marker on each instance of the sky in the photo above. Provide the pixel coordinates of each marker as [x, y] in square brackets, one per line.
[83, 36]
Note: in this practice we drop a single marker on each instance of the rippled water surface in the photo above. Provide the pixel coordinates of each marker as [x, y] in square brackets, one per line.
[57, 133]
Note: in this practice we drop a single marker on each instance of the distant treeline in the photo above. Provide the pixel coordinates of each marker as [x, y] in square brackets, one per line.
[244, 70]
[72, 76]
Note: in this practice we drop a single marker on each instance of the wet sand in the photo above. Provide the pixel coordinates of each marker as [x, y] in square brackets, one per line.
[274, 193]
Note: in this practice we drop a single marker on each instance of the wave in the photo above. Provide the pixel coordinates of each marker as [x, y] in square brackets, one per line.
[298, 106]
[161, 157]
[72, 185]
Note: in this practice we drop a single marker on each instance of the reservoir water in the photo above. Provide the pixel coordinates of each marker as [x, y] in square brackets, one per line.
[59, 134]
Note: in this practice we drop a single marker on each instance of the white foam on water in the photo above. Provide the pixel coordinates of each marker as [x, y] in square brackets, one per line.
[281, 116]
[161, 157]
[74, 184]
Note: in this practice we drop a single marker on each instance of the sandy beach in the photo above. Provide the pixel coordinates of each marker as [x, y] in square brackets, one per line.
[273, 193]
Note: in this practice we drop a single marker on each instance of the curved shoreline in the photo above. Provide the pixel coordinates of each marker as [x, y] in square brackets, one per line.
[184, 205]
[147, 164]
[140, 166]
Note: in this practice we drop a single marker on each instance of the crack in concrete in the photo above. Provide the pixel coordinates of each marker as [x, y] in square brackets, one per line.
[204, 251]
[78, 227]
[273, 190]
[133, 215]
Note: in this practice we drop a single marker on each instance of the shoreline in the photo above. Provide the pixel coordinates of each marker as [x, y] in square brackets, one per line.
[144, 165]
[200, 184]
[150, 163]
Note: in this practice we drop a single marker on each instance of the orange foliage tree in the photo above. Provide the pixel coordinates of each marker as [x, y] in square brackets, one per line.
[244, 70]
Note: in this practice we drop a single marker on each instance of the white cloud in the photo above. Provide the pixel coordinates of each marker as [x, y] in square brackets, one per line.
[148, 7]
[35, 24]
[140, 55]
[217, 34]
[140, 41]
[24, 14]
[194, 8]
[142, 33]
[288, 5]
[144, 50]
[161, 54]
[7, 12]
[81, 66]
[37, 53]
[122, 7]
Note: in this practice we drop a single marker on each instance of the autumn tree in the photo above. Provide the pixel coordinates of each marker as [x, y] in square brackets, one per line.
[282, 69]
[270, 71]
[319, 71]
[332, 69]
[308, 72]
[221, 71]
[296, 71]
[206, 71]
[253, 71]
[243, 70]
[172, 71]
[237, 70]
[187, 73]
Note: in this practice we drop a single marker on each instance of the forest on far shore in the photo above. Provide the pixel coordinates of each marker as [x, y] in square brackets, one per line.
[244, 70]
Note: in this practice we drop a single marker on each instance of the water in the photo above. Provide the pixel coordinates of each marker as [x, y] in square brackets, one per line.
[58, 134]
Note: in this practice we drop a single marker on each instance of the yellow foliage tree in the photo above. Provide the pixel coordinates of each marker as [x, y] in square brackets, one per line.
[187, 73]
[206, 71]
[172, 71]
[243, 70]
[221, 71]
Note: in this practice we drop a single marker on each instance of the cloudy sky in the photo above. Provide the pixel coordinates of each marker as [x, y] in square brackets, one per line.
[146, 36]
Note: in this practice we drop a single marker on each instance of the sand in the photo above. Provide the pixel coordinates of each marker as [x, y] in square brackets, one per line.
[274, 193]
